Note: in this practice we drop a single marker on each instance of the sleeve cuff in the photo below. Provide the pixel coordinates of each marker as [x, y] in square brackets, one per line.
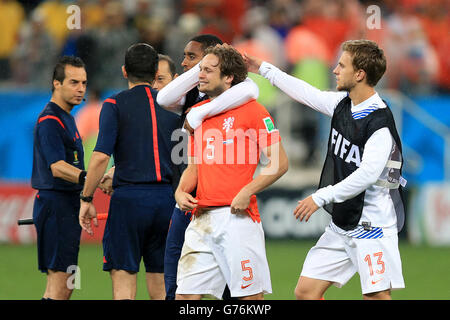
[193, 119]
[265, 68]
[323, 196]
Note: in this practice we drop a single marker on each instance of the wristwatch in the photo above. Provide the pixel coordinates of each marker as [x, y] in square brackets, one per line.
[84, 198]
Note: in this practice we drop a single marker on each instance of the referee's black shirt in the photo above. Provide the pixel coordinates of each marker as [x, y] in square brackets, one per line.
[137, 132]
[56, 138]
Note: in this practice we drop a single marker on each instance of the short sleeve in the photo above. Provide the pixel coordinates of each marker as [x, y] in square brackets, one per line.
[108, 128]
[50, 136]
[267, 132]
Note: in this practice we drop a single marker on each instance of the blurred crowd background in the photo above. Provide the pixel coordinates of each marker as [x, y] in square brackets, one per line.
[413, 33]
[302, 37]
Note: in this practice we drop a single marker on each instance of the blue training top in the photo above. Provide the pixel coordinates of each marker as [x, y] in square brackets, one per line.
[137, 132]
[56, 138]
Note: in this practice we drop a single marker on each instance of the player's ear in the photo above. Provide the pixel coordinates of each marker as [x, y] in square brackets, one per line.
[176, 75]
[56, 84]
[229, 79]
[124, 72]
[360, 75]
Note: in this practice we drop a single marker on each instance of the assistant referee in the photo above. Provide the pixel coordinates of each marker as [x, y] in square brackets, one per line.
[58, 175]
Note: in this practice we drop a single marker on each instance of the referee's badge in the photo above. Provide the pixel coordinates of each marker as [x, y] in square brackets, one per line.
[75, 158]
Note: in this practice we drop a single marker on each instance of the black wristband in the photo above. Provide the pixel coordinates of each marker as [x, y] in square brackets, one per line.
[82, 177]
[86, 199]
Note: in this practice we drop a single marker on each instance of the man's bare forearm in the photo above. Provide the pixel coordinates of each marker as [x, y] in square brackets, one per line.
[188, 180]
[278, 167]
[97, 167]
[65, 171]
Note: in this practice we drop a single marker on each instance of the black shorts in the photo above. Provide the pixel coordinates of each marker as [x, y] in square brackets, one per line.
[55, 216]
[136, 227]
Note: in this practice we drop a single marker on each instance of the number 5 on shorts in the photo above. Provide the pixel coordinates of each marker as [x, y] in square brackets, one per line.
[246, 268]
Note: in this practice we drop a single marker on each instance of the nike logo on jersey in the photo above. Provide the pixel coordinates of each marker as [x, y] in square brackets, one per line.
[344, 148]
[244, 287]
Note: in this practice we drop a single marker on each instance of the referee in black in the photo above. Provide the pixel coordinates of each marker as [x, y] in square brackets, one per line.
[58, 175]
[137, 131]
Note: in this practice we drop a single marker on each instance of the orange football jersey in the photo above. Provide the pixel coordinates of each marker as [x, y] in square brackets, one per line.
[227, 149]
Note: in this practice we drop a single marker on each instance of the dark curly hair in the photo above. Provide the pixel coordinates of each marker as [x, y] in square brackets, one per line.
[231, 63]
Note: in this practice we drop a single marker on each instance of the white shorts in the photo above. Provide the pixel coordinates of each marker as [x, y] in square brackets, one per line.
[223, 248]
[338, 257]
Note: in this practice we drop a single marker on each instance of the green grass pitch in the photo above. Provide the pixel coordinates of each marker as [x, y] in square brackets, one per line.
[425, 269]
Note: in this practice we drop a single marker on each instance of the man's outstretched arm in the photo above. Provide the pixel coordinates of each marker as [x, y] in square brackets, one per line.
[299, 90]
[229, 99]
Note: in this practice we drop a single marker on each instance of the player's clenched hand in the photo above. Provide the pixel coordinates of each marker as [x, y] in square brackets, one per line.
[88, 214]
[185, 200]
[253, 63]
[240, 202]
[305, 209]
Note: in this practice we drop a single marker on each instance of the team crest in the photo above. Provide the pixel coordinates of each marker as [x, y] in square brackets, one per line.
[228, 123]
